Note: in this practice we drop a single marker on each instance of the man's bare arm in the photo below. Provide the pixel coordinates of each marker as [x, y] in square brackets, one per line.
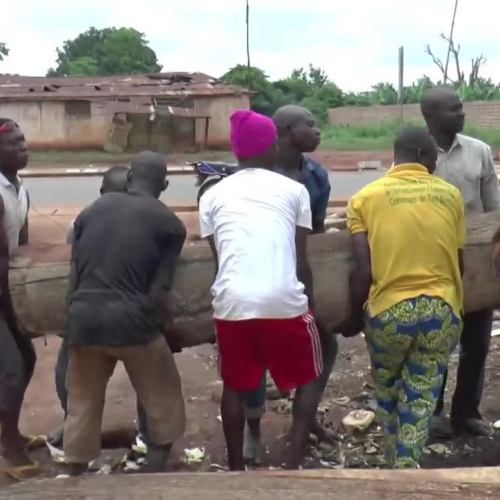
[24, 234]
[4, 275]
[304, 272]
[360, 282]
[490, 192]
[461, 262]
[361, 279]
[211, 242]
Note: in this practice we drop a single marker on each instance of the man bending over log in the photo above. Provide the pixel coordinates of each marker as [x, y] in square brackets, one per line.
[120, 312]
[257, 222]
[467, 164]
[298, 134]
[408, 231]
[114, 181]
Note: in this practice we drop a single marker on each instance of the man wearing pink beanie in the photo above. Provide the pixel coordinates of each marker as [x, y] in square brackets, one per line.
[257, 222]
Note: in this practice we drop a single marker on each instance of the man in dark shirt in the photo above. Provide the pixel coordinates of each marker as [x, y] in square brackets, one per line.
[298, 134]
[124, 255]
[114, 181]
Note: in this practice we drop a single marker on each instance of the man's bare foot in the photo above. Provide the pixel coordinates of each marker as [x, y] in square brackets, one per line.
[473, 427]
[77, 469]
[323, 434]
[252, 447]
[15, 455]
[156, 459]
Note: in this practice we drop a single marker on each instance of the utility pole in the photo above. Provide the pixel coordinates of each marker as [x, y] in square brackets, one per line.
[401, 65]
[249, 66]
[450, 41]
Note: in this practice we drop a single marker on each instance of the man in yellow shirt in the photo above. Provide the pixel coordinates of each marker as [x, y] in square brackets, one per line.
[408, 231]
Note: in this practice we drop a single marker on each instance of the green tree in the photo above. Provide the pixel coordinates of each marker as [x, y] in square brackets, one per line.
[327, 97]
[4, 51]
[384, 93]
[267, 98]
[105, 52]
[414, 93]
[83, 66]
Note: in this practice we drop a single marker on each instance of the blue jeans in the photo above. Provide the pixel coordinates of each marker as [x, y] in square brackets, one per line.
[62, 393]
[255, 405]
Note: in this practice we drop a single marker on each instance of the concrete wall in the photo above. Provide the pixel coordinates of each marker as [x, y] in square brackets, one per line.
[69, 125]
[60, 124]
[481, 114]
[219, 108]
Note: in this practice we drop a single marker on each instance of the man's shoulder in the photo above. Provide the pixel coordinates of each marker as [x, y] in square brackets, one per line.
[316, 168]
[473, 143]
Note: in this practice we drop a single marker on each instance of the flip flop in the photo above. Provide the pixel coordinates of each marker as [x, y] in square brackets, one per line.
[35, 442]
[23, 472]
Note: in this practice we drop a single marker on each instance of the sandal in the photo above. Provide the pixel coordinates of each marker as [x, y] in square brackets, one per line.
[23, 472]
[35, 442]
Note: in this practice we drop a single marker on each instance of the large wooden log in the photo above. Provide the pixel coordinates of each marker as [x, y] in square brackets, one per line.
[39, 287]
[479, 484]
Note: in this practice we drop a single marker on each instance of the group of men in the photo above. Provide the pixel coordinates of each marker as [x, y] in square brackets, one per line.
[408, 232]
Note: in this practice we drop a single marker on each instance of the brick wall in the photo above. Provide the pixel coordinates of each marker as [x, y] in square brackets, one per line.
[482, 114]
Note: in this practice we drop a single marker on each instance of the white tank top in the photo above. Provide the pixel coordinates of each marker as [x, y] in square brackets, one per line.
[16, 210]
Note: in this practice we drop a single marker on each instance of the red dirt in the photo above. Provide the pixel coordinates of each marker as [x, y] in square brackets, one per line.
[351, 378]
[340, 160]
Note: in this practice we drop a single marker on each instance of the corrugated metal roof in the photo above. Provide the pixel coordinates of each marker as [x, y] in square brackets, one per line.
[175, 84]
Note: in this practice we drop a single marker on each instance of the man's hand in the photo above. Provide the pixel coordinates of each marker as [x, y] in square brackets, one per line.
[174, 336]
[26, 347]
[352, 326]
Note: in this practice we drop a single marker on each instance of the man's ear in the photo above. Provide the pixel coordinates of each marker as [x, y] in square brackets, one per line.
[421, 156]
[165, 186]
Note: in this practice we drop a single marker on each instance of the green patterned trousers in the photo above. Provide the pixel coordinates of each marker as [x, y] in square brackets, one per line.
[410, 345]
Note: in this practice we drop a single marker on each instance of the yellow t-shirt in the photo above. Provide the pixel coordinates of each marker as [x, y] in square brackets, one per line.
[416, 225]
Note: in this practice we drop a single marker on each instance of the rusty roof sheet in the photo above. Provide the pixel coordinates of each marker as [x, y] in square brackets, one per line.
[175, 84]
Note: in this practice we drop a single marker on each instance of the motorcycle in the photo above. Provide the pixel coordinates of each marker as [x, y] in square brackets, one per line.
[210, 173]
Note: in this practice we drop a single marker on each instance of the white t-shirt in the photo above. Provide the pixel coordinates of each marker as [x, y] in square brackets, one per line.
[16, 210]
[252, 215]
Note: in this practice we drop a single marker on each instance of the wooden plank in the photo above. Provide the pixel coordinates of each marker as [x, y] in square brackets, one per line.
[39, 290]
[310, 485]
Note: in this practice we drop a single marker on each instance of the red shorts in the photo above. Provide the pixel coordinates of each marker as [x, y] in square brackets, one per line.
[289, 348]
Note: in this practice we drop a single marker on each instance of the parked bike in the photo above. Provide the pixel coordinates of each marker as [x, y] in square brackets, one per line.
[210, 173]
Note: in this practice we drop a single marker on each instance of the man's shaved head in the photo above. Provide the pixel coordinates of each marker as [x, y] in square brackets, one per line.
[297, 128]
[415, 145]
[442, 109]
[115, 179]
[289, 115]
[148, 171]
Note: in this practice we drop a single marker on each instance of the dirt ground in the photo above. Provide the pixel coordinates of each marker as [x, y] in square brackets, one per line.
[349, 388]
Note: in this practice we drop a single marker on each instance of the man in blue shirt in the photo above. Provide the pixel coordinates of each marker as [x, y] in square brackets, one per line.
[298, 134]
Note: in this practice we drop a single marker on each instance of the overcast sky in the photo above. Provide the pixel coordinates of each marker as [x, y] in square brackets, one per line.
[355, 41]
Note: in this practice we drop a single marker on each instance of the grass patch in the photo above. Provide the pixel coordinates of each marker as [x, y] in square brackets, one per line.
[49, 159]
[60, 158]
[380, 136]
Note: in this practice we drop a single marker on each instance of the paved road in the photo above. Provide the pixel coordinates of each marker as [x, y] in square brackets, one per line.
[78, 191]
